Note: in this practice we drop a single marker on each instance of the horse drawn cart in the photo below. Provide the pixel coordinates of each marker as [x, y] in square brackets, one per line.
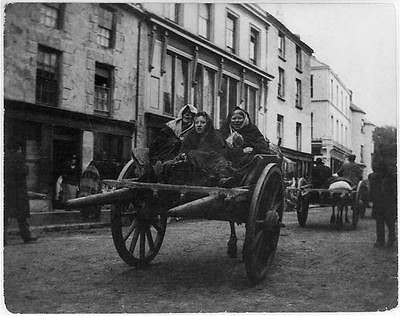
[140, 210]
[339, 199]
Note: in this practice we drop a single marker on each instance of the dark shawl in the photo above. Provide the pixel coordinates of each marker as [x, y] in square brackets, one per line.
[165, 146]
[252, 138]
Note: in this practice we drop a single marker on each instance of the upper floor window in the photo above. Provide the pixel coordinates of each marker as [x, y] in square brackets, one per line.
[312, 86]
[231, 29]
[204, 19]
[279, 129]
[105, 31]
[281, 83]
[298, 58]
[47, 76]
[298, 136]
[254, 35]
[281, 45]
[312, 125]
[50, 14]
[173, 11]
[102, 88]
[362, 126]
[331, 90]
[298, 94]
[337, 96]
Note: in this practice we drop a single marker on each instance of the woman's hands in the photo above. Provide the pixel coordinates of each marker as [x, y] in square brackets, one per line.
[248, 150]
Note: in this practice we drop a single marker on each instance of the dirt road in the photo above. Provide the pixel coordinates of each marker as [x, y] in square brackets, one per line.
[316, 268]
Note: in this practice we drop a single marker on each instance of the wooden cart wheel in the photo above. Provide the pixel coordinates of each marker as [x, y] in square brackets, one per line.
[137, 234]
[263, 224]
[302, 210]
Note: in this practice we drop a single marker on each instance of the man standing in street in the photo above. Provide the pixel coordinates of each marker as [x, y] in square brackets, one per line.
[320, 175]
[16, 201]
[351, 171]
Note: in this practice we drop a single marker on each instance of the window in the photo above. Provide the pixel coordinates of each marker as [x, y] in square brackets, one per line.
[208, 91]
[312, 125]
[337, 130]
[173, 11]
[341, 100]
[298, 58]
[105, 25]
[298, 94]
[231, 26]
[229, 97]
[50, 14]
[331, 90]
[312, 86]
[47, 76]
[279, 129]
[345, 137]
[281, 45]
[281, 83]
[362, 126]
[102, 88]
[332, 127]
[298, 136]
[341, 134]
[362, 153]
[254, 34]
[204, 20]
[250, 97]
[337, 96]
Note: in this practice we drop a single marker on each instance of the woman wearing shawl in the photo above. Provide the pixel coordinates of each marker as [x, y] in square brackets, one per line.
[167, 143]
[243, 138]
[201, 160]
[90, 184]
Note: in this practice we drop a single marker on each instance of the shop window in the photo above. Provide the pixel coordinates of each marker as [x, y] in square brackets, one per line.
[109, 154]
[47, 76]
[228, 98]
[250, 97]
[105, 27]
[102, 88]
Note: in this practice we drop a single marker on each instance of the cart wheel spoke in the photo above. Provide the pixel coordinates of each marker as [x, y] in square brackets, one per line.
[134, 241]
[150, 239]
[142, 244]
[130, 229]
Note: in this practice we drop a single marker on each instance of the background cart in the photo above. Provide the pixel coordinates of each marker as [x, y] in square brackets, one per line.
[140, 210]
[307, 195]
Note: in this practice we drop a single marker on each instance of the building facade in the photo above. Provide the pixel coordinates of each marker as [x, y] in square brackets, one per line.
[331, 121]
[363, 146]
[70, 86]
[95, 80]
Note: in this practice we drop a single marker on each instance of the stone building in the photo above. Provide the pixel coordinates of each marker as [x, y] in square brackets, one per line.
[362, 144]
[217, 56]
[330, 115]
[70, 82]
[95, 80]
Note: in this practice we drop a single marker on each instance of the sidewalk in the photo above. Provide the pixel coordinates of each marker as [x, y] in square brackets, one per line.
[60, 220]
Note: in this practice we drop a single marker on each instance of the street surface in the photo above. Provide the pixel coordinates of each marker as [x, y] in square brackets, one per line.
[316, 268]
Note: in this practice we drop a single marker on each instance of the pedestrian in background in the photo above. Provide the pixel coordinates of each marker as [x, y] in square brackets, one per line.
[70, 182]
[90, 184]
[16, 201]
[351, 171]
[383, 195]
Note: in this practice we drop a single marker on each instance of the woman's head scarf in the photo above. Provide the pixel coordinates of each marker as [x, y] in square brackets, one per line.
[176, 124]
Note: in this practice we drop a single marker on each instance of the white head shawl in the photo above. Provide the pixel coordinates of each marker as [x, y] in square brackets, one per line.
[176, 124]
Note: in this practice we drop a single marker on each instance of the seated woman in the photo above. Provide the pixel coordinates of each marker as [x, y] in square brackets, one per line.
[201, 160]
[243, 138]
[167, 143]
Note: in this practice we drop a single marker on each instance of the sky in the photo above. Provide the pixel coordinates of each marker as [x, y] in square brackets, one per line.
[358, 41]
